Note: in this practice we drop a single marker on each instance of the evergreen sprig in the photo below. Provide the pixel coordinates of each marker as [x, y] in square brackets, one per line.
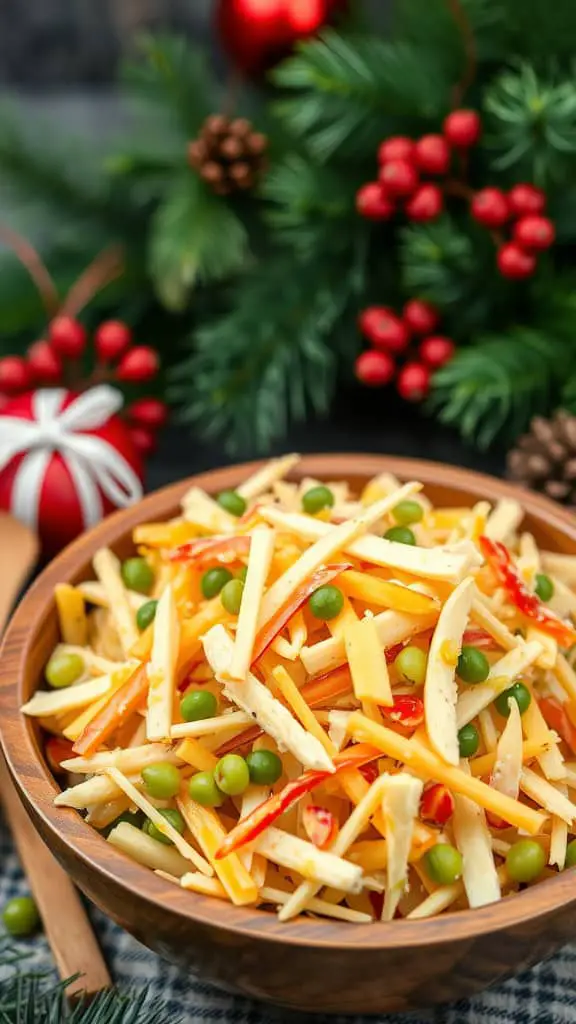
[438, 261]
[173, 75]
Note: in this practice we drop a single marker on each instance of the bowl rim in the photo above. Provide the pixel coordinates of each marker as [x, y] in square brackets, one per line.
[21, 750]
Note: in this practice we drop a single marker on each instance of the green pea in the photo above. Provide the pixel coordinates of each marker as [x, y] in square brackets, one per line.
[213, 580]
[265, 767]
[20, 916]
[544, 587]
[146, 614]
[242, 573]
[137, 575]
[197, 705]
[203, 789]
[174, 818]
[468, 740]
[231, 596]
[411, 665]
[443, 863]
[570, 854]
[525, 860]
[519, 693]
[407, 512]
[161, 780]
[400, 534]
[63, 670]
[316, 499]
[473, 666]
[232, 502]
[231, 775]
[134, 818]
[326, 602]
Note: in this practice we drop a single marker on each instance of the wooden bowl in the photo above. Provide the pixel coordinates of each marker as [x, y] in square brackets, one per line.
[306, 964]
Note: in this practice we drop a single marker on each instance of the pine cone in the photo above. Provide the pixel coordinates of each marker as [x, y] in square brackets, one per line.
[229, 155]
[544, 459]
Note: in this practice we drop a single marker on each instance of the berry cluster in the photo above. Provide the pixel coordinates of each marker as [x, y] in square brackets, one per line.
[403, 162]
[46, 361]
[522, 208]
[390, 336]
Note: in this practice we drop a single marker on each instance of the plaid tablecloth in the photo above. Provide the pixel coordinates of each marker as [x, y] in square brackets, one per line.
[544, 995]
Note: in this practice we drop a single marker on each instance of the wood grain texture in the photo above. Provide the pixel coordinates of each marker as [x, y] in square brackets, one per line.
[305, 964]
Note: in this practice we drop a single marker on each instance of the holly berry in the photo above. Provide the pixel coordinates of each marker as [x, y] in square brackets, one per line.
[534, 232]
[384, 329]
[148, 412]
[462, 128]
[15, 375]
[374, 368]
[436, 351]
[420, 317]
[139, 364]
[514, 262]
[399, 178]
[490, 207]
[524, 198]
[111, 340]
[44, 363]
[398, 147]
[426, 204]
[432, 154]
[143, 440]
[373, 203]
[413, 382]
[437, 804]
[68, 337]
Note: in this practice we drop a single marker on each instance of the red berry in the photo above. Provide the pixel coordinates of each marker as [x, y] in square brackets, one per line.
[398, 147]
[534, 232]
[413, 382]
[138, 365]
[111, 340]
[148, 412]
[420, 317]
[514, 262]
[143, 440]
[426, 204]
[68, 337]
[525, 198]
[399, 177]
[374, 368]
[433, 154]
[44, 363]
[462, 128]
[436, 350]
[15, 375]
[384, 329]
[373, 203]
[490, 207]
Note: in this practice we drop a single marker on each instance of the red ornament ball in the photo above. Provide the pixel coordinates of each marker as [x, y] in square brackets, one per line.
[397, 147]
[148, 412]
[534, 232]
[426, 204]
[436, 350]
[374, 368]
[462, 128]
[384, 329]
[44, 363]
[373, 203]
[140, 364]
[143, 440]
[514, 262]
[111, 340]
[68, 337]
[413, 382]
[433, 154]
[398, 177]
[420, 316]
[525, 198]
[15, 375]
[490, 207]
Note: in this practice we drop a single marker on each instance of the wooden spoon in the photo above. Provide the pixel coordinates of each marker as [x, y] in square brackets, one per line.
[66, 924]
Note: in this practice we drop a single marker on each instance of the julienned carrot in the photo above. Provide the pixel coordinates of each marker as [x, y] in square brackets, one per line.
[123, 703]
[556, 716]
[266, 813]
[208, 549]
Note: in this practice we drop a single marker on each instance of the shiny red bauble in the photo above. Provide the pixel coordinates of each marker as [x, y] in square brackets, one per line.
[413, 382]
[15, 375]
[534, 232]
[148, 412]
[426, 204]
[514, 262]
[140, 364]
[143, 440]
[420, 316]
[44, 363]
[462, 128]
[525, 198]
[436, 350]
[384, 329]
[67, 336]
[397, 147]
[372, 203]
[432, 154]
[398, 177]
[374, 368]
[490, 207]
[111, 340]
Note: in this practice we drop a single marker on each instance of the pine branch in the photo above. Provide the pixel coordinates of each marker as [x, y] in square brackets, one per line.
[539, 31]
[438, 260]
[431, 23]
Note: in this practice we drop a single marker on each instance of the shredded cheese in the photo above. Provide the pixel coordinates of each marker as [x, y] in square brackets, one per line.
[261, 551]
[400, 803]
[107, 569]
[162, 667]
[440, 689]
[56, 702]
[367, 662]
[209, 833]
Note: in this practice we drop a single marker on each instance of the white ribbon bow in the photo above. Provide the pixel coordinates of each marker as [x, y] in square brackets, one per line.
[95, 466]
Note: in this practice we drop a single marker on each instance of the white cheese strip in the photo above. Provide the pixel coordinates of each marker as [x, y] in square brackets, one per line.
[436, 902]
[162, 666]
[392, 628]
[46, 703]
[305, 858]
[473, 839]
[563, 566]
[558, 834]
[256, 700]
[563, 600]
[528, 561]
[211, 726]
[107, 569]
[129, 761]
[338, 727]
[509, 753]
[502, 674]
[482, 615]
[440, 688]
[400, 804]
[263, 479]
[98, 790]
[201, 510]
[261, 551]
[504, 520]
[488, 729]
[316, 906]
[545, 794]
[144, 850]
[94, 593]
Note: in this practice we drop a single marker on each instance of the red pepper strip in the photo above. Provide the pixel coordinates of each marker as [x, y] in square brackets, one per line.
[207, 549]
[250, 827]
[406, 710]
[478, 638]
[325, 574]
[499, 560]
[58, 749]
[557, 718]
[123, 703]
